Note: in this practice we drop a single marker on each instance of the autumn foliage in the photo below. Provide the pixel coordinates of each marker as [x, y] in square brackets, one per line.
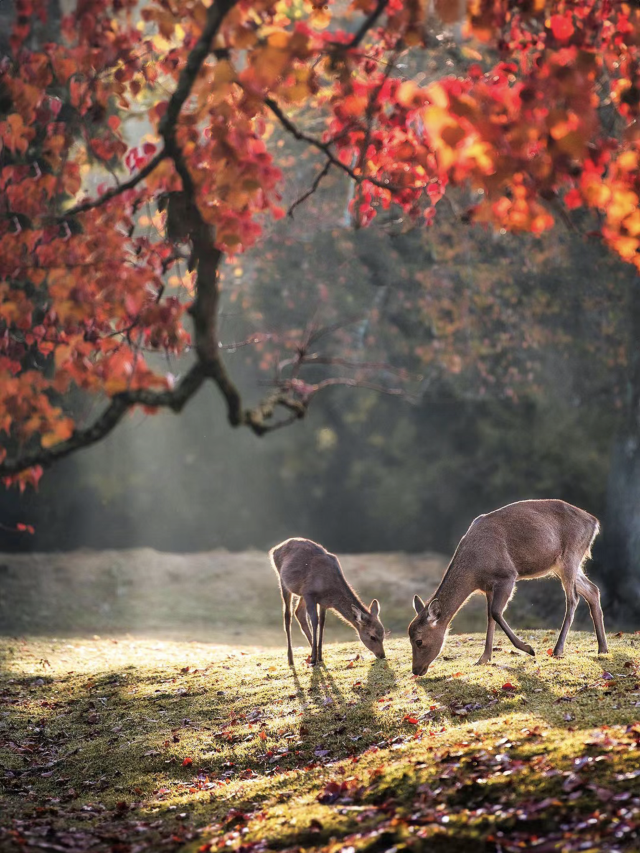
[111, 239]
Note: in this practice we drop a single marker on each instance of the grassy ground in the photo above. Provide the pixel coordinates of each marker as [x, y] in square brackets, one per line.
[134, 745]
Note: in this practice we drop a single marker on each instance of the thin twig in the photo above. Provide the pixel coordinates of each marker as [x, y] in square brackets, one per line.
[314, 187]
[321, 146]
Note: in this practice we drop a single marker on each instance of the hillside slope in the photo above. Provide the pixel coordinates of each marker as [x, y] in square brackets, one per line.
[134, 746]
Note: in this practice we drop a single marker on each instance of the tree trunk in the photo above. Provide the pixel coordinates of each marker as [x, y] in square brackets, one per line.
[620, 548]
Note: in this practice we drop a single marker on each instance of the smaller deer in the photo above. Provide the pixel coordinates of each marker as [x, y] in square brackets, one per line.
[315, 576]
[521, 541]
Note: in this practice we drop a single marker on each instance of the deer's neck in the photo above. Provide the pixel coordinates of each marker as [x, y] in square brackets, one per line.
[345, 601]
[453, 591]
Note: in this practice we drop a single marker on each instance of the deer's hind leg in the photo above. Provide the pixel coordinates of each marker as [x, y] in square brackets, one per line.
[491, 627]
[502, 592]
[591, 594]
[286, 600]
[301, 616]
[312, 610]
[568, 576]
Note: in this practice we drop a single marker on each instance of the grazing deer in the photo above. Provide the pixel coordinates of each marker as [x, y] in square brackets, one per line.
[521, 541]
[315, 576]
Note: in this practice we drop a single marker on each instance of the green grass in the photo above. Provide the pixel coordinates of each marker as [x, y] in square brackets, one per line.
[525, 754]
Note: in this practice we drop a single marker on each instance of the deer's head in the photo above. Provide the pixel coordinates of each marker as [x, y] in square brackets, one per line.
[370, 629]
[427, 633]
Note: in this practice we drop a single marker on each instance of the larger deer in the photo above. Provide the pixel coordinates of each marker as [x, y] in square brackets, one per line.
[521, 541]
[310, 572]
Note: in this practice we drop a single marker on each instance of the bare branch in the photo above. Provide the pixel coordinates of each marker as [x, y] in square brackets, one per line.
[357, 383]
[118, 190]
[314, 187]
[368, 22]
[325, 147]
[316, 358]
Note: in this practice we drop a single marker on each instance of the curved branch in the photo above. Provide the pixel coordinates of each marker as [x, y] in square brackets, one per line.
[121, 188]
[174, 399]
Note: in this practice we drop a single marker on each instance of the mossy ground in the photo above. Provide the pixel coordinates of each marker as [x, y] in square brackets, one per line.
[130, 745]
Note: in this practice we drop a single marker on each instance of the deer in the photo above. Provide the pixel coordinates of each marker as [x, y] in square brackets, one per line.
[314, 577]
[521, 541]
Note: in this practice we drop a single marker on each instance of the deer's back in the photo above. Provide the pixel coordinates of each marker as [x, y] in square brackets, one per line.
[532, 536]
[307, 568]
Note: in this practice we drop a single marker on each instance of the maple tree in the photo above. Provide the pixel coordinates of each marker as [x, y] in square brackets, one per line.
[541, 127]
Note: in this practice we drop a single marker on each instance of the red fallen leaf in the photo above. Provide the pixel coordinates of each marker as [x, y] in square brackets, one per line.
[619, 634]
[509, 686]
[234, 816]
[25, 528]
[350, 665]
[550, 652]
[262, 735]
[409, 719]
[122, 806]
[187, 762]
[561, 27]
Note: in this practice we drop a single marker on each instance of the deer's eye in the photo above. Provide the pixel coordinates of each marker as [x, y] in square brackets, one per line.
[373, 637]
[419, 643]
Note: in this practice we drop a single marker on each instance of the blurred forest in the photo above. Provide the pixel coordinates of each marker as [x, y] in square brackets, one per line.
[521, 344]
[512, 353]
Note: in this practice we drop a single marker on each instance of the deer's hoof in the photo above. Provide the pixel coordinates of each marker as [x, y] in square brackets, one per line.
[483, 660]
[530, 651]
[559, 654]
[604, 651]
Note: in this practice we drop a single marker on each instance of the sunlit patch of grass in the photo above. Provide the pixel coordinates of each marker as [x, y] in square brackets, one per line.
[190, 745]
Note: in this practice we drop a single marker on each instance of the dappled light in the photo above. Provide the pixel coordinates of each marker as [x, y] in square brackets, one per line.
[358, 277]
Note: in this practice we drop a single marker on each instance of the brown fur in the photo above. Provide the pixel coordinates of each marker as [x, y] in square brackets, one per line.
[521, 541]
[314, 576]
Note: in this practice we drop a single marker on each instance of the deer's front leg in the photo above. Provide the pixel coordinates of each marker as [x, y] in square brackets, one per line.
[491, 627]
[323, 613]
[312, 612]
[501, 596]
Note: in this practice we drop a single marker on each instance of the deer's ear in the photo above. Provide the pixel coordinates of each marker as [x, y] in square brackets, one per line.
[418, 604]
[434, 611]
[359, 615]
[387, 632]
[374, 607]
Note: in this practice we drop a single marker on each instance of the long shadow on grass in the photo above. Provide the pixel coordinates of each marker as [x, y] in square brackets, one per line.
[328, 731]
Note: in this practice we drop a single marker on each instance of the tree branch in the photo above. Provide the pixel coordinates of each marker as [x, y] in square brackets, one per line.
[325, 147]
[174, 399]
[114, 191]
[368, 22]
[314, 187]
